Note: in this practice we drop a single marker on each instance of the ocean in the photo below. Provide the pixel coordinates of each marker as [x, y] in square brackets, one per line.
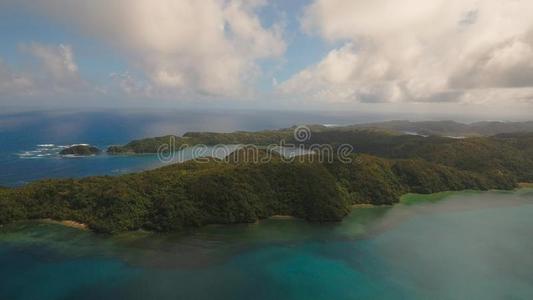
[30, 141]
[469, 245]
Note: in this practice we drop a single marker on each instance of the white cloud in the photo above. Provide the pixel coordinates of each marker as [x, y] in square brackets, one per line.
[418, 50]
[208, 47]
[53, 72]
[55, 62]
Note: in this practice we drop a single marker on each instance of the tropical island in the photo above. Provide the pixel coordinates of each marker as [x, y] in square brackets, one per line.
[383, 130]
[80, 150]
[384, 165]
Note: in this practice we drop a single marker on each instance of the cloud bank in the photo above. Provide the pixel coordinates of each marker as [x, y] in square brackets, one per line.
[208, 47]
[386, 54]
[419, 51]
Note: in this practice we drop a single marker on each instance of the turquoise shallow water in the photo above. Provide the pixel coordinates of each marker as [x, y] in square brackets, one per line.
[466, 246]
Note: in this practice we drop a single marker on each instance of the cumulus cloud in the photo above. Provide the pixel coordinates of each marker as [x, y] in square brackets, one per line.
[54, 71]
[418, 50]
[208, 47]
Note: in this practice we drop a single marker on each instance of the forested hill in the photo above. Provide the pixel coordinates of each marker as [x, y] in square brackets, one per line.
[451, 128]
[151, 145]
[382, 168]
[267, 137]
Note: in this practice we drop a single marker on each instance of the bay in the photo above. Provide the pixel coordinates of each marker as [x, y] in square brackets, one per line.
[467, 245]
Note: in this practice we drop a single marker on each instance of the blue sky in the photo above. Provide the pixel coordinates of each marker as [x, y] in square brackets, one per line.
[17, 28]
[336, 54]
[97, 60]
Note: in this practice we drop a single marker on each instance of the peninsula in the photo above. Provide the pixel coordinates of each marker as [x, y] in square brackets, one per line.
[384, 165]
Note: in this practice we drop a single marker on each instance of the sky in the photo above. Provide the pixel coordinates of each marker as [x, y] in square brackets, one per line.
[462, 56]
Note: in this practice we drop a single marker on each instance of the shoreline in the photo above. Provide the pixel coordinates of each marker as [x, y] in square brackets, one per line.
[367, 205]
[525, 185]
[416, 198]
[412, 198]
[67, 223]
[282, 217]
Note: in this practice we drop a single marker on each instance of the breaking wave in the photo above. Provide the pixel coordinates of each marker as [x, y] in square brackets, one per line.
[45, 151]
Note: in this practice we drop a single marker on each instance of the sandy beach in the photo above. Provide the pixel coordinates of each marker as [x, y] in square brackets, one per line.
[68, 223]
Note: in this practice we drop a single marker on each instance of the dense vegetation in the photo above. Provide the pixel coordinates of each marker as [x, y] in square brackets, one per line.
[503, 159]
[188, 194]
[383, 166]
[452, 128]
[152, 145]
[80, 150]
[394, 128]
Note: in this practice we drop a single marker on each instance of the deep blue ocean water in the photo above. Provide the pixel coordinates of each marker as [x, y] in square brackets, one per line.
[30, 141]
[467, 246]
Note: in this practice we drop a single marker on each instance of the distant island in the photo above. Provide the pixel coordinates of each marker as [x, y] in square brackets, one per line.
[429, 128]
[451, 128]
[385, 164]
[80, 150]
